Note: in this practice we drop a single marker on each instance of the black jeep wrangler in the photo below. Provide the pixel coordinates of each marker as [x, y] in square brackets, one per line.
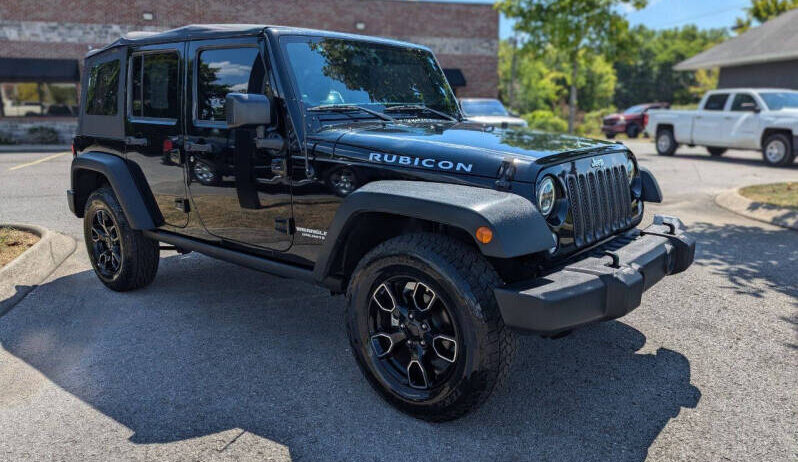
[345, 161]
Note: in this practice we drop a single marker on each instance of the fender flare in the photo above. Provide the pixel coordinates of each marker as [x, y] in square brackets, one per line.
[127, 181]
[518, 228]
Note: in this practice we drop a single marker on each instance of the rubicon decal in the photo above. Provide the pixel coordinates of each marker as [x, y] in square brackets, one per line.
[412, 161]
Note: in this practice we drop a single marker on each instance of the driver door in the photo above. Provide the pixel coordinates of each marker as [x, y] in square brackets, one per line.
[236, 194]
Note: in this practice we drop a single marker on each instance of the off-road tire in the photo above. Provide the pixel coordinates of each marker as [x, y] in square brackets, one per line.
[465, 277]
[139, 255]
[610, 135]
[789, 153]
[665, 148]
[716, 152]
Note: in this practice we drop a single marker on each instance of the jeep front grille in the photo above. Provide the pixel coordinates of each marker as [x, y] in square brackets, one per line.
[601, 203]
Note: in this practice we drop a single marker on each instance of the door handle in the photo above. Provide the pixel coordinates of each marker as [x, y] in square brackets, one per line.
[194, 147]
[133, 141]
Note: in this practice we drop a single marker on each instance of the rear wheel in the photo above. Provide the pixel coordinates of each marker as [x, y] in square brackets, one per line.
[716, 152]
[633, 131]
[666, 143]
[777, 150]
[122, 257]
[425, 328]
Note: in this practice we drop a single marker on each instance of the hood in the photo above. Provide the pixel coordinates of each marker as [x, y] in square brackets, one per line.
[463, 148]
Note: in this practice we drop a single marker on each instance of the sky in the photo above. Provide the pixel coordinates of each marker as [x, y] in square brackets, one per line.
[665, 14]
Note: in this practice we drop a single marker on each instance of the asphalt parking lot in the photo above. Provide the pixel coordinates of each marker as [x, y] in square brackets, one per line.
[217, 362]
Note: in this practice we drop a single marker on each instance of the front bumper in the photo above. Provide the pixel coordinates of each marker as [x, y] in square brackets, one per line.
[606, 284]
[614, 128]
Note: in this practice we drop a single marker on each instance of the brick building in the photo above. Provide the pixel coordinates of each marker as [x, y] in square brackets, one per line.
[42, 43]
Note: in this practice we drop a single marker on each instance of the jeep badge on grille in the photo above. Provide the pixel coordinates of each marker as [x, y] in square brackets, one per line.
[596, 163]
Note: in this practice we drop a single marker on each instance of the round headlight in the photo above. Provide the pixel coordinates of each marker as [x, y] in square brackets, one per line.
[630, 169]
[547, 194]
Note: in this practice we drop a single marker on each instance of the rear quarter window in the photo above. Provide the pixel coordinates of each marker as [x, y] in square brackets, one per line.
[716, 102]
[103, 87]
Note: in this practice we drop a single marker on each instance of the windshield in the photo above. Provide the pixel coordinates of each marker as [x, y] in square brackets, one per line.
[777, 101]
[334, 72]
[490, 107]
[635, 109]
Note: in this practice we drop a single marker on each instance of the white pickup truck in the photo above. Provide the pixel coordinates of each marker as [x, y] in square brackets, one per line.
[746, 118]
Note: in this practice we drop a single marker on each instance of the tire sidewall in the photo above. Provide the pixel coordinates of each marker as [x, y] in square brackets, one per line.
[671, 145]
[104, 199]
[462, 305]
[788, 153]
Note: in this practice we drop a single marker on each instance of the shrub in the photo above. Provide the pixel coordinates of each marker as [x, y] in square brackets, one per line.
[546, 120]
[42, 135]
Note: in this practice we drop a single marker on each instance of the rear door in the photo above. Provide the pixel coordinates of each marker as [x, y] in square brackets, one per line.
[709, 127]
[236, 194]
[153, 123]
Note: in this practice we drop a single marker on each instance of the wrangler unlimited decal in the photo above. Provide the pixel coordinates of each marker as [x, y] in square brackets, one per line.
[419, 162]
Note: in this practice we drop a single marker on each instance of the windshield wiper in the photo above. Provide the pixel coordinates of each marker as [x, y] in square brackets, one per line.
[350, 108]
[421, 108]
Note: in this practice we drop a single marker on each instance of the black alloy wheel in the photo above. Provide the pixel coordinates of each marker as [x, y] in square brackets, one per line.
[122, 257]
[425, 328]
[413, 336]
[106, 244]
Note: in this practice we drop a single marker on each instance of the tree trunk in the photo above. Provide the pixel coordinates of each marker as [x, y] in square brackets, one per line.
[572, 100]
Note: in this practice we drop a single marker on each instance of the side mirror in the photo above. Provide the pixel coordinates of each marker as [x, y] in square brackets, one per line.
[753, 107]
[243, 109]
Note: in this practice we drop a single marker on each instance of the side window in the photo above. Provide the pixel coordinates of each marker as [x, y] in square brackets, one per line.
[226, 70]
[103, 85]
[716, 102]
[743, 102]
[154, 85]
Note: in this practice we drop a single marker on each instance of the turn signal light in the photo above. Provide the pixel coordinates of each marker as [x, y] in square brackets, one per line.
[484, 234]
[167, 145]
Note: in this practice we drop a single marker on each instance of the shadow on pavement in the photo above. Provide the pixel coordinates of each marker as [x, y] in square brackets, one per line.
[745, 255]
[755, 162]
[211, 347]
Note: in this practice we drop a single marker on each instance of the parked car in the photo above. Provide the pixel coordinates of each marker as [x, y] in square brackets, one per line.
[742, 118]
[446, 238]
[631, 121]
[490, 112]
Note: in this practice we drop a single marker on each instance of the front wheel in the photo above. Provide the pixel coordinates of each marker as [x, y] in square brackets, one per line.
[122, 257]
[425, 328]
[777, 150]
[666, 143]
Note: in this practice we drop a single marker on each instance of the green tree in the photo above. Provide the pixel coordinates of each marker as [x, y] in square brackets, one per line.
[573, 27]
[647, 75]
[761, 11]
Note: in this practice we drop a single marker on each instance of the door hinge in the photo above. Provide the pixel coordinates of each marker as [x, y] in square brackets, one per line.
[183, 205]
[284, 225]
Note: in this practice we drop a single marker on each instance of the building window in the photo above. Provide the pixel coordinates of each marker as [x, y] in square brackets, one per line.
[154, 86]
[37, 99]
[222, 71]
[101, 95]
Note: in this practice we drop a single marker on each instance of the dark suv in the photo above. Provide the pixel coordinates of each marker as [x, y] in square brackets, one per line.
[344, 161]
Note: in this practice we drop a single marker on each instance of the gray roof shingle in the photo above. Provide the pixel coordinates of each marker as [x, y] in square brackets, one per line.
[775, 40]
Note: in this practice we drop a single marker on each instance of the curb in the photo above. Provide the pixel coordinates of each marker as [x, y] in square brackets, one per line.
[28, 270]
[778, 216]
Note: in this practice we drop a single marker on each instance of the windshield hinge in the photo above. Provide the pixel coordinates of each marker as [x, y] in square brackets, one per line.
[506, 175]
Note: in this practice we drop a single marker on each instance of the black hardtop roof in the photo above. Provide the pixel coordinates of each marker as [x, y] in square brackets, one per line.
[209, 31]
